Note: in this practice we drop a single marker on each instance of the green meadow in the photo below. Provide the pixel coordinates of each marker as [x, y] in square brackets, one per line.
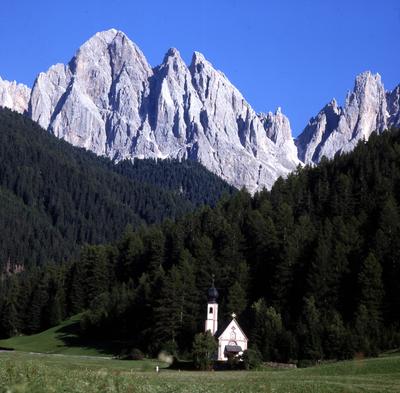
[56, 360]
[23, 372]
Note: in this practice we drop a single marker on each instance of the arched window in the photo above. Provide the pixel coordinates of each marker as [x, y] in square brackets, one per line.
[211, 310]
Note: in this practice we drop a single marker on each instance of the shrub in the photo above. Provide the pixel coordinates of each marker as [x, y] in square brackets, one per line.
[303, 363]
[204, 348]
[251, 359]
[136, 354]
[132, 354]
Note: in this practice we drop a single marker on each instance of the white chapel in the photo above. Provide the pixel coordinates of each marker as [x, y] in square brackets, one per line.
[231, 340]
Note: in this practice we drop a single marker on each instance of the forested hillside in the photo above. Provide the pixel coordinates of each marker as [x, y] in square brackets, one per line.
[55, 197]
[311, 268]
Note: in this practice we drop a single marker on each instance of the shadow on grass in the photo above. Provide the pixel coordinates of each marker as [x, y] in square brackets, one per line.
[71, 337]
[187, 365]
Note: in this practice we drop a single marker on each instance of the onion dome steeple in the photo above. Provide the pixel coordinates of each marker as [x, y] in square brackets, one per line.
[212, 293]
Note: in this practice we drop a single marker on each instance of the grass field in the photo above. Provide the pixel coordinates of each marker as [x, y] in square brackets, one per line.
[67, 364]
[22, 372]
[62, 339]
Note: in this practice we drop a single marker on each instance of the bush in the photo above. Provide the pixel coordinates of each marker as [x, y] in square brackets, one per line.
[304, 363]
[136, 354]
[204, 349]
[251, 359]
[234, 362]
[132, 354]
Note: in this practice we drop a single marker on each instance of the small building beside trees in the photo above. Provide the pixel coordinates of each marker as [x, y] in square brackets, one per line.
[232, 341]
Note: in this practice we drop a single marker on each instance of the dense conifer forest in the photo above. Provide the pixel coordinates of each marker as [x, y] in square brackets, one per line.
[311, 268]
[55, 197]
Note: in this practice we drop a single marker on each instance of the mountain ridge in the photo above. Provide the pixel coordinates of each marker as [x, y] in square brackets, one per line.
[368, 108]
[108, 99]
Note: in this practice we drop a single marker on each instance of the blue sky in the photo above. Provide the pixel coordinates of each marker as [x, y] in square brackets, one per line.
[297, 54]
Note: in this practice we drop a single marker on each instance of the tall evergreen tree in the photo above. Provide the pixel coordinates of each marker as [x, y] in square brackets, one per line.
[309, 331]
[95, 265]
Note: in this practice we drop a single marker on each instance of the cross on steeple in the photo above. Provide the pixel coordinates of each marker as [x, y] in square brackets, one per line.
[233, 315]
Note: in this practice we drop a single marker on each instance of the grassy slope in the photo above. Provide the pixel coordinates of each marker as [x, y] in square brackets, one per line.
[20, 372]
[60, 339]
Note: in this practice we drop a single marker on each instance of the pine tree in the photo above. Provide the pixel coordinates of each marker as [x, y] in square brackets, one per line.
[370, 286]
[36, 316]
[131, 255]
[335, 337]
[76, 290]
[10, 319]
[95, 265]
[9, 323]
[237, 299]
[369, 311]
[267, 331]
[262, 251]
[309, 331]
[177, 312]
[387, 251]
[154, 243]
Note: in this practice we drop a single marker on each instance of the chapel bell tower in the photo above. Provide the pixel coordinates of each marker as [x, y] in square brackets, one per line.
[212, 310]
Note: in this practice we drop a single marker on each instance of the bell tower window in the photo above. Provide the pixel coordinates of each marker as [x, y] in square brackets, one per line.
[211, 310]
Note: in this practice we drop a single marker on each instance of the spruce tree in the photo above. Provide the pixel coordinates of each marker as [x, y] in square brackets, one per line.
[369, 311]
[309, 331]
[9, 323]
[96, 273]
[237, 299]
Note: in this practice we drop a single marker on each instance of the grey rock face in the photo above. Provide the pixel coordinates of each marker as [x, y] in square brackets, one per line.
[337, 129]
[109, 100]
[14, 96]
[393, 100]
[318, 130]
[95, 101]
[277, 127]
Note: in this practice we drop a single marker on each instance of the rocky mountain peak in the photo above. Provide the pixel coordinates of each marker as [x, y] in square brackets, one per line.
[317, 131]
[173, 62]
[104, 85]
[106, 35]
[277, 126]
[104, 39]
[172, 53]
[366, 107]
[109, 52]
[337, 129]
[334, 105]
[207, 79]
[368, 87]
[14, 96]
[197, 58]
[332, 108]
[365, 79]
